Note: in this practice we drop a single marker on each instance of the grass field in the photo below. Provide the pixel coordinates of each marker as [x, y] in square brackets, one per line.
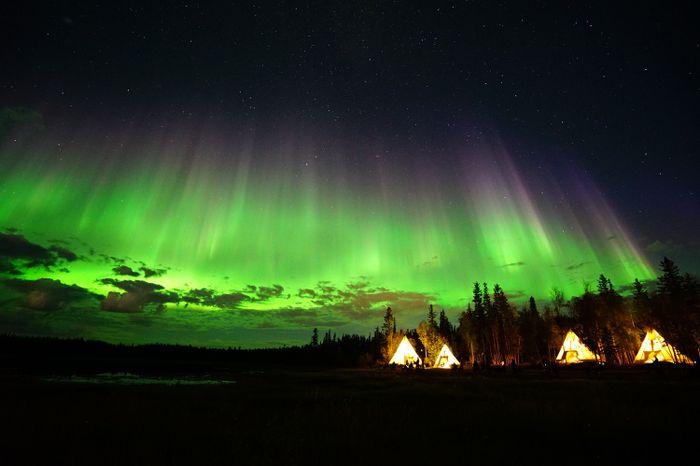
[273, 415]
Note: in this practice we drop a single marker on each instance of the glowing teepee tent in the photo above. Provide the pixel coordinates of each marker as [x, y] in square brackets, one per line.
[573, 350]
[654, 346]
[405, 354]
[445, 360]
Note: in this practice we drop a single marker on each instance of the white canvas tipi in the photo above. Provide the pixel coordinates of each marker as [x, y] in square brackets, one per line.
[445, 360]
[405, 354]
[654, 346]
[573, 350]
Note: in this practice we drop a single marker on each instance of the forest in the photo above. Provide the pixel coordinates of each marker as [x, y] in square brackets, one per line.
[493, 331]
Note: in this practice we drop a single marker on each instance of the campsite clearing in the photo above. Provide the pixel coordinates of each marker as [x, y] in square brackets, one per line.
[276, 415]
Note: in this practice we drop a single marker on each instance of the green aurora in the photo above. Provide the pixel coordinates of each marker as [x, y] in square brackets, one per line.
[253, 245]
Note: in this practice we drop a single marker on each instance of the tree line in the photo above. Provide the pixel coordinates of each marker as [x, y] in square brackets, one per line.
[492, 331]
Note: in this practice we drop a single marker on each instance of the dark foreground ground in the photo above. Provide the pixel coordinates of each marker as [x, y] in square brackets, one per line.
[276, 415]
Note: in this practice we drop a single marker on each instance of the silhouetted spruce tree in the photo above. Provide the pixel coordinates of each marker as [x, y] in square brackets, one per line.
[327, 340]
[508, 340]
[491, 326]
[641, 305]
[550, 334]
[431, 316]
[378, 342]
[584, 310]
[480, 325]
[444, 326]
[619, 321]
[391, 338]
[670, 282]
[665, 302]
[528, 321]
[558, 302]
[314, 338]
[691, 293]
[675, 309]
[562, 309]
[389, 325]
[604, 320]
[468, 335]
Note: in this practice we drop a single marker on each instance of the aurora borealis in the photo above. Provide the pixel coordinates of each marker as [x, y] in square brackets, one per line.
[250, 224]
[293, 236]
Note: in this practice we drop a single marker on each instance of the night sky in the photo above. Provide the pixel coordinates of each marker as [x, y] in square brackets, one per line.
[237, 175]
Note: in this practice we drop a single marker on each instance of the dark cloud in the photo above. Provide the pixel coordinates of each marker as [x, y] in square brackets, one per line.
[267, 325]
[133, 286]
[358, 285]
[198, 296]
[14, 246]
[148, 272]
[427, 264]
[64, 253]
[576, 266]
[348, 294]
[107, 259]
[141, 319]
[46, 294]
[326, 288]
[208, 297]
[628, 288]
[364, 305]
[7, 267]
[16, 252]
[358, 301]
[662, 247]
[685, 254]
[123, 302]
[138, 296]
[125, 270]
[326, 294]
[306, 293]
[514, 264]
[517, 294]
[264, 293]
[230, 300]
[59, 241]
[289, 318]
[303, 318]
